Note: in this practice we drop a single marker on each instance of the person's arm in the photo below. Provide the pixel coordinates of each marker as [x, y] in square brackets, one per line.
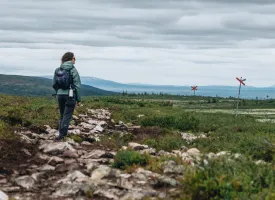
[54, 82]
[77, 84]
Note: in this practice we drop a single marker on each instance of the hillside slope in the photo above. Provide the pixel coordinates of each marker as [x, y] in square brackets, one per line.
[37, 86]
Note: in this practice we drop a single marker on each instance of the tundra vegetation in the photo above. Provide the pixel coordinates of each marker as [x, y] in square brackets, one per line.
[236, 154]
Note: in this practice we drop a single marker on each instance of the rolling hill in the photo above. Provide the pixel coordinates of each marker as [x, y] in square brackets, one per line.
[38, 86]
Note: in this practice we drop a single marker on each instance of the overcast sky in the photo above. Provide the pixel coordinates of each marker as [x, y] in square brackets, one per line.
[175, 42]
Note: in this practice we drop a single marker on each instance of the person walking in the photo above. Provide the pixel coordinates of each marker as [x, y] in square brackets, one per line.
[66, 82]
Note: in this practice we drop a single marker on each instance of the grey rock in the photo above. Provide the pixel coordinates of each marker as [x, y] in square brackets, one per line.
[223, 153]
[26, 139]
[103, 161]
[37, 176]
[133, 195]
[97, 122]
[260, 162]
[136, 146]
[211, 155]
[86, 143]
[67, 167]
[171, 167]
[71, 142]
[67, 189]
[26, 182]
[97, 129]
[81, 152]
[166, 181]
[94, 154]
[73, 177]
[143, 171]
[46, 167]
[50, 130]
[3, 196]
[161, 152]
[70, 161]
[191, 137]
[124, 181]
[150, 151]
[70, 154]
[75, 131]
[55, 160]
[193, 152]
[156, 179]
[10, 189]
[56, 147]
[87, 126]
[82, 115]
[184, 148]
[3, 181]
[138, 194]
[106, 193]
[26, 152]
[92, 165]
[101, 172]
[43, 156]
[162, 195]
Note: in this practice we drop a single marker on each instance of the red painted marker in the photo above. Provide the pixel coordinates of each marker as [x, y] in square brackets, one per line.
[241, 81]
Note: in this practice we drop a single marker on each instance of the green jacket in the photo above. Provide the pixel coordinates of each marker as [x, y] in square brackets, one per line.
[76, 80]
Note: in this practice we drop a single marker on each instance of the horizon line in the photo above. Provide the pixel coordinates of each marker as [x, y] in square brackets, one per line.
[145, 84]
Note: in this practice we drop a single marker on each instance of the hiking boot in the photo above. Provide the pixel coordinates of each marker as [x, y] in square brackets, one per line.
[59, 138]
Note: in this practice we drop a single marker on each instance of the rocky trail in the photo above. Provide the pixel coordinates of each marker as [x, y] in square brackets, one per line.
[39, 168]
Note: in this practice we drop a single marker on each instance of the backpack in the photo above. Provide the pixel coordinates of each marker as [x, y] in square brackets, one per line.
[63, 79]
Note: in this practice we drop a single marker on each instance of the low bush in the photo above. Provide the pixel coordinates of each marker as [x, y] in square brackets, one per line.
[128, 158]
[167, 142]
[182, 122]
[227, 179]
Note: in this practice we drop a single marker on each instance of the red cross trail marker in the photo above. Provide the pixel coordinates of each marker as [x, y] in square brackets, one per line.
[194, 88]
[241, 81]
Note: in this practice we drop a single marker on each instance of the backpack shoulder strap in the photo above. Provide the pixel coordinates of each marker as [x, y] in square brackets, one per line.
[71, 78]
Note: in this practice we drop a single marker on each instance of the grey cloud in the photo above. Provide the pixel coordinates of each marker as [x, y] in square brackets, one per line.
[174, 33]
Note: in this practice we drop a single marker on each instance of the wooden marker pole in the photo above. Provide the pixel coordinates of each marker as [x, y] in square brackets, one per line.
[194, 88]
[241, 80]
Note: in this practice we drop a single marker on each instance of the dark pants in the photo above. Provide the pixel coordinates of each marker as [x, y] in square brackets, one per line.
[66, 108]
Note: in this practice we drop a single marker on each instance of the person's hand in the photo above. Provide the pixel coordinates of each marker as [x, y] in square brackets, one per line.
[77, 104]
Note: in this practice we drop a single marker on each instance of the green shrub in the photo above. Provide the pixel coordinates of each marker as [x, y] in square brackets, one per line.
[76, 138]
[5, 131]
[182, 122]
[116, 140]
[225, 179]
[165, 104]
[128, 158]
[168, 142]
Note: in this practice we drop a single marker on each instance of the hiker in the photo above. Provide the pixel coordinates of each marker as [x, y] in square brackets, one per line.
[66, 82]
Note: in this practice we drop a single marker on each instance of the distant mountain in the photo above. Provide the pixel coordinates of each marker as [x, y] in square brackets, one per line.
[38, 86]
[213, 90]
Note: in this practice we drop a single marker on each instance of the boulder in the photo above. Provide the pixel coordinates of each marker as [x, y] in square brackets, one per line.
[26, 182]
[3, 196]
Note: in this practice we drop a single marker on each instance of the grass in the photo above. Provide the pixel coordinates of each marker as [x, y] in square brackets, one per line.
[167, 142]
[182, 122]
[227, 179]
[128, 158]
[163, 120]
[28, 111]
